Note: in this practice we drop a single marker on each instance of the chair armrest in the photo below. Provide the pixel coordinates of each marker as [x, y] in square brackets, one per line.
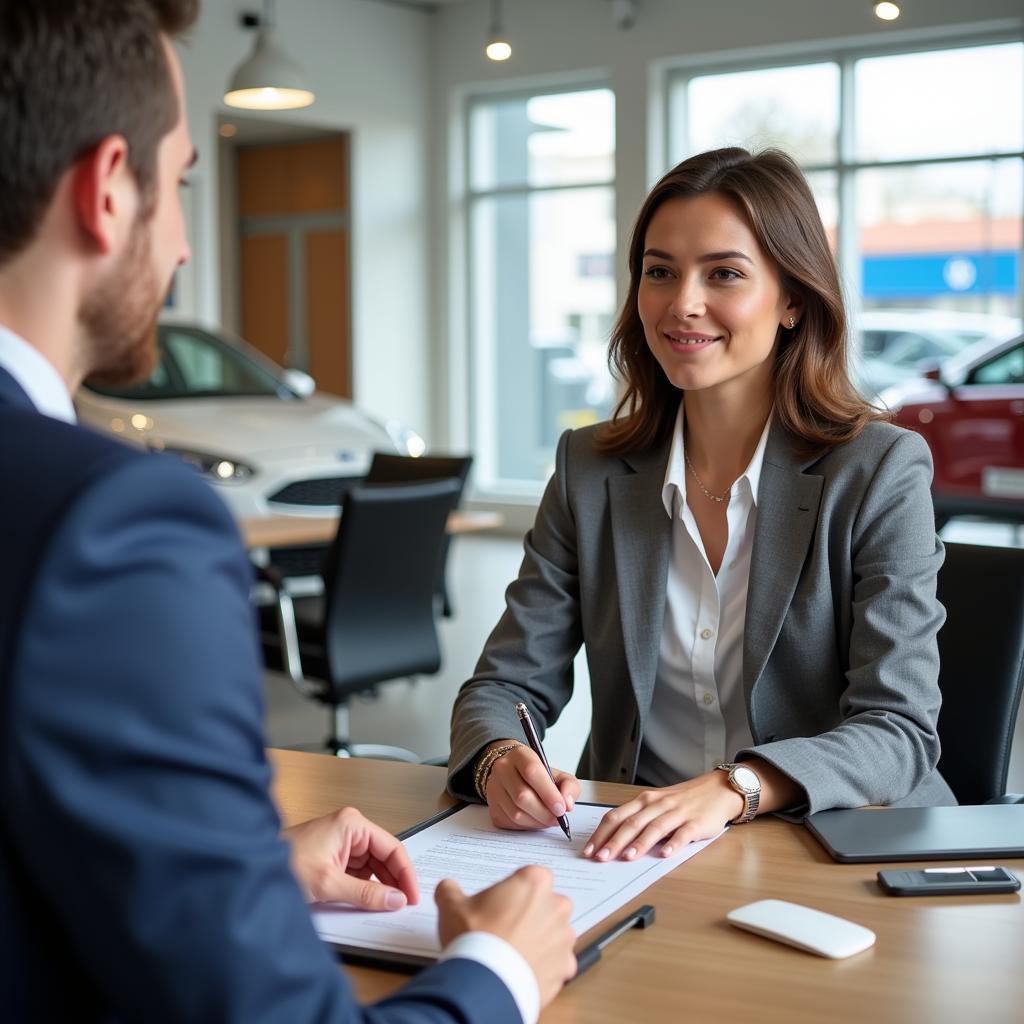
[1007, 798]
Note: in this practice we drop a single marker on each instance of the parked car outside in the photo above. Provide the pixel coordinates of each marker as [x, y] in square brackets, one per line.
[894, 345]
[971, 412]
[263, 438]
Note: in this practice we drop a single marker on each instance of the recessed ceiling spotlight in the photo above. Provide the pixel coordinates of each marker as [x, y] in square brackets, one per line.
[887, 11]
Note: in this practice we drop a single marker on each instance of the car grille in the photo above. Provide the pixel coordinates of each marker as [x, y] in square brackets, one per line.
[325, 492]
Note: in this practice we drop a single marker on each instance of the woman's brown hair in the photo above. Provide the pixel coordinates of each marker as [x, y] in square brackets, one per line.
[815, 399]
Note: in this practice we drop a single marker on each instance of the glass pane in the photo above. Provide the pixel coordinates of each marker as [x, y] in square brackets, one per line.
[940, 263]
[793, 108]
[543, 301]
[944, 103]
[1006, 369]
[558, 139]
[825, 186]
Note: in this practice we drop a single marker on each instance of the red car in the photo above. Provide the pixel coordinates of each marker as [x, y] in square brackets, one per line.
[971, 413]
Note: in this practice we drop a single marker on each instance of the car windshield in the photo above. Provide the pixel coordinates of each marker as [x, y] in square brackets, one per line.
[197, 364]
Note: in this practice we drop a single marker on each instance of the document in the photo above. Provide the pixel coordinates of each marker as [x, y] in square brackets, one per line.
[467, 847]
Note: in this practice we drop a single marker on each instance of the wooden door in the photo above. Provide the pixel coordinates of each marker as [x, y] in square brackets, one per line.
[293, 201]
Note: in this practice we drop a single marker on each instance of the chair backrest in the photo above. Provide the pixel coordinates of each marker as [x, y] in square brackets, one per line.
[390, 469]
[379, 583]
[981, 674]
[401, 469]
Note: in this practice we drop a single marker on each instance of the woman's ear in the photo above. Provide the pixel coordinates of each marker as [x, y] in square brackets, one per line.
[794, 311]
[105, 194]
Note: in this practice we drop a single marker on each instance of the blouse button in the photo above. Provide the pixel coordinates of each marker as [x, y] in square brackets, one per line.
[705, 634]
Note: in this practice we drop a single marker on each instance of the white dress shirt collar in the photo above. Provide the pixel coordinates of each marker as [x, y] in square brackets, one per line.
[675, 469]
[36, 375]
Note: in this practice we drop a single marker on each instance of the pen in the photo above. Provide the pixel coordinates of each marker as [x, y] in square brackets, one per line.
[642, 917]
[534, 740]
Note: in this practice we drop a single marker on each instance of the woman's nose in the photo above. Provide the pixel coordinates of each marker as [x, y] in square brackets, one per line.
[688, 300]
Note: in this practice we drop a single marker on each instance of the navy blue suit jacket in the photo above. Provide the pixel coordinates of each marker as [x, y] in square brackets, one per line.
[142, 876]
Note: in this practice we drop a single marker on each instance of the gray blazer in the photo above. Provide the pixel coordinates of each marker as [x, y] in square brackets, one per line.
[840, 662]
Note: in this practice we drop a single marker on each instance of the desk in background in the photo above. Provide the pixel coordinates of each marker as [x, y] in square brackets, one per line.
[302, 531]
[937, 959]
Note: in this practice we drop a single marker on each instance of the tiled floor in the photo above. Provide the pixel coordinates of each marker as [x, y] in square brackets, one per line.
[415, 714]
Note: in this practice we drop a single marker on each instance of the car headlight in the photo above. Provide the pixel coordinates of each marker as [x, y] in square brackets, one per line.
[218, 467]
[405, 438]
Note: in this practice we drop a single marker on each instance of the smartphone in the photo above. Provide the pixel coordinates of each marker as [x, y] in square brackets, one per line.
[948, 881]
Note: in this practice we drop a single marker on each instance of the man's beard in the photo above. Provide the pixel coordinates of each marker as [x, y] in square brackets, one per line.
[119, 318]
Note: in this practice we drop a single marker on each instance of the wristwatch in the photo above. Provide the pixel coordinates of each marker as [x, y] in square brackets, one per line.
[745, 781]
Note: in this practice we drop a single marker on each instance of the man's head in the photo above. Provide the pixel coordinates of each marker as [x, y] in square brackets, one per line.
[94, 142]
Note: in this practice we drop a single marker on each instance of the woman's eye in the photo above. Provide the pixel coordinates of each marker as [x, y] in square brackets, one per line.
[725, 274]
[657, 273]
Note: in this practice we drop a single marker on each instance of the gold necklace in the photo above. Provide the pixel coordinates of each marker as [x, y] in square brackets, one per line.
[700, 483]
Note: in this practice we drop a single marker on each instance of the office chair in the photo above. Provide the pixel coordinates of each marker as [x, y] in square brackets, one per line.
[375, 620]
[394, 469]
[981, 673]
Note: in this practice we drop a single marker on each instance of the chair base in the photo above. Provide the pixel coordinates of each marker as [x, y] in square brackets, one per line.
[338, 743]
[379, 751]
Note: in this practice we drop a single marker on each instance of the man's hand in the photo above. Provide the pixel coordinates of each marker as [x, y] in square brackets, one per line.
[335, 857]
[525, 912]
[521, 795]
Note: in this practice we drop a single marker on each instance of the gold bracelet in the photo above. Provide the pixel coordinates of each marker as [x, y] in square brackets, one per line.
[486, 763]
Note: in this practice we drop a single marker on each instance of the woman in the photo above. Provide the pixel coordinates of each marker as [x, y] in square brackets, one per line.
[746, 550]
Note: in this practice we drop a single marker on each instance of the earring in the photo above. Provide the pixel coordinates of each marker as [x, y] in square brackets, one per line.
[792, 322]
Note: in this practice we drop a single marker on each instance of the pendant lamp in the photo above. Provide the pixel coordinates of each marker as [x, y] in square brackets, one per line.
[269, 79]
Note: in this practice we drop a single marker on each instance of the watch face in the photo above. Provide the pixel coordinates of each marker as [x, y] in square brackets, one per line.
[745, 779]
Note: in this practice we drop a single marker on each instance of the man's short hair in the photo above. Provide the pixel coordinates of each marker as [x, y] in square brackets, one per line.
[73, 72]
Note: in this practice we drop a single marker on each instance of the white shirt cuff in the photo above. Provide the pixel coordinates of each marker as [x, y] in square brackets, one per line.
[506, 962]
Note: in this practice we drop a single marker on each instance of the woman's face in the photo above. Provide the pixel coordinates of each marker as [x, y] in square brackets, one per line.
[710, 299]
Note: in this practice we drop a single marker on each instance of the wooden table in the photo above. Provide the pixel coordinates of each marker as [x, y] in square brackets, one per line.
[937, 959]
[299, 531]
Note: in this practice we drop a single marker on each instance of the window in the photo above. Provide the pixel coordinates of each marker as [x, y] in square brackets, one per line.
[541, 277]
[1005, 369]
[917, 163]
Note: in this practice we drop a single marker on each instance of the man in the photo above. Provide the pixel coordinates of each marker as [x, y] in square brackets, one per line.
[142, 873]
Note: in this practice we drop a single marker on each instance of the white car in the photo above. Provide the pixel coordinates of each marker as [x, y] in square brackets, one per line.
[896, 344]
[261, 436]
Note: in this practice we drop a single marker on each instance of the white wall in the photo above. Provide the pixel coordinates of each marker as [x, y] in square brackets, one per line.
[369, 66]
[562, 39]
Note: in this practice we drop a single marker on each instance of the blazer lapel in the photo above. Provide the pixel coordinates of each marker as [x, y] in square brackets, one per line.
[641, 539]
[12, 393]
[787, 514]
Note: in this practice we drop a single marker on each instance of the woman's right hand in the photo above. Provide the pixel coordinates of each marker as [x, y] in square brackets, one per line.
[520, 793]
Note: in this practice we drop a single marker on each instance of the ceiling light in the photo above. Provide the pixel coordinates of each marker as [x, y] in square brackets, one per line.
[269, 79]
[498, 47]
[887, 11]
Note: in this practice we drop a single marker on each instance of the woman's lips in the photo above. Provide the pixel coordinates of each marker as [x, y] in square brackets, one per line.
[689, 342]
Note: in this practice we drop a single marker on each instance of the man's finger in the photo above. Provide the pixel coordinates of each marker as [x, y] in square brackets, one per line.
[448, 891]
[362, 893]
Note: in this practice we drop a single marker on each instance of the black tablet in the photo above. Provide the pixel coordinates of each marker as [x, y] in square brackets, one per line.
[921, 833]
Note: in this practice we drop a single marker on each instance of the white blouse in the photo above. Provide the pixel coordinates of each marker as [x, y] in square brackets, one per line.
[698, 716]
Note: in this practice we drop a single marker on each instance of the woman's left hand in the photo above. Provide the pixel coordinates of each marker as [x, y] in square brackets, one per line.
[681, 814]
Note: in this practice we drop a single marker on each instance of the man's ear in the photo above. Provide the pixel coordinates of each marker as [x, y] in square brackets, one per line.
[105, 194]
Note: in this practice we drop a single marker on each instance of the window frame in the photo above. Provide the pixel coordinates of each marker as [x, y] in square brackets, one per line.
[505, 492]
[675, 77]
